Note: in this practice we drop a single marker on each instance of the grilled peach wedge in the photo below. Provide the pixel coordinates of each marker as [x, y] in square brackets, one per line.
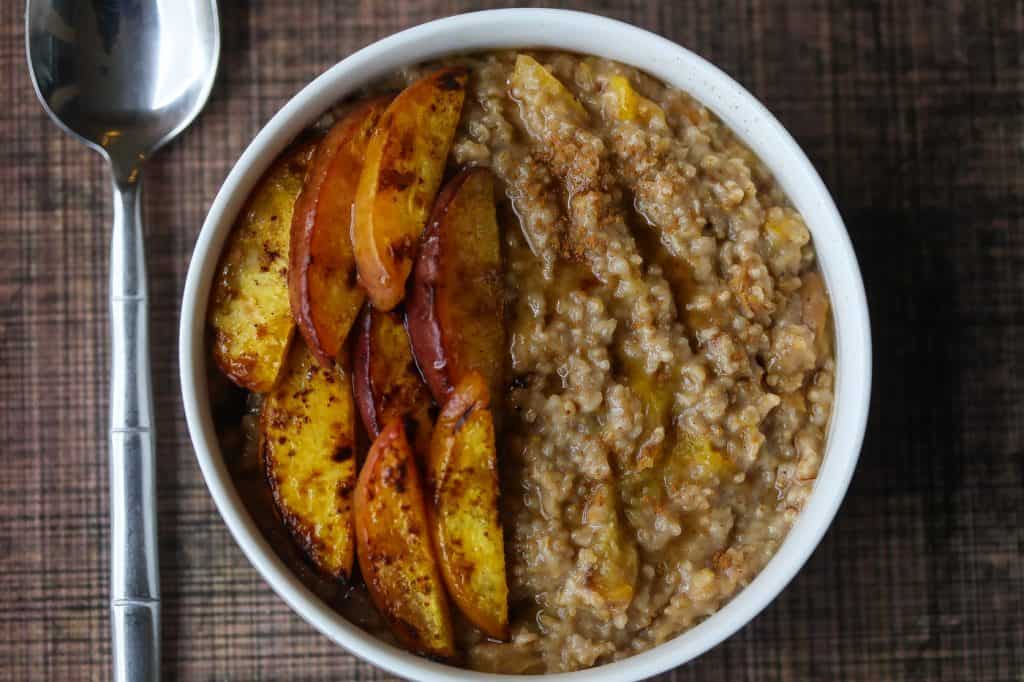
[456, 307]
[249, 313]
[404, 164]
[386, 382]
[462, 482]
[307, 441]
[396, 555]
[325, 299]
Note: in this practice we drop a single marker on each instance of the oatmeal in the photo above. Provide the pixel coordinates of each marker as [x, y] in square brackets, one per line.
[671, 357]
[669, 368]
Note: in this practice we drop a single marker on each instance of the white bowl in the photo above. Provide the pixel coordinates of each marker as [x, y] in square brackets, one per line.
[585, 33]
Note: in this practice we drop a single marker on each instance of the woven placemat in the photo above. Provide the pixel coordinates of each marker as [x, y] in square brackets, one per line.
[913, 112]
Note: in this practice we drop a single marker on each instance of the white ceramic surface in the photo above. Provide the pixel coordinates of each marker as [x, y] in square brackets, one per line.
[664, 60]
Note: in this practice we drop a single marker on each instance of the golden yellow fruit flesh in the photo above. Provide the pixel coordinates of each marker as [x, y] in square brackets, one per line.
[404, 164]
[250, 314]
[463, 488]
[307, 440]
[617, 559]
[531, 81]
[656, 395]
[704, 461]
[629, 105]
[396, 555]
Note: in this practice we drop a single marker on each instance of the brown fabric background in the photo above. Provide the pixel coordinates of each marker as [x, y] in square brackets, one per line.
[913, 112]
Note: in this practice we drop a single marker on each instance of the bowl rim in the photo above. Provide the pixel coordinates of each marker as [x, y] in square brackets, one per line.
[587, 34]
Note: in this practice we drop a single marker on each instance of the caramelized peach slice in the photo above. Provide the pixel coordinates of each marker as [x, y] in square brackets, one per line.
[396, 555]
[456, 309]
[249, 311]
[624, 103]
[307, 441]
[532, 81]
[387, 382]
[325, 298]
[614, 573]
[463, 488]
[405, 161]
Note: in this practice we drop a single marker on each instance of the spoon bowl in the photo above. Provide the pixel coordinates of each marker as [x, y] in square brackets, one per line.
[125, 77]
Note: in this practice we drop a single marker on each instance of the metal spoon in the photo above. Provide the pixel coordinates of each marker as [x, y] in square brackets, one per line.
[125, 77]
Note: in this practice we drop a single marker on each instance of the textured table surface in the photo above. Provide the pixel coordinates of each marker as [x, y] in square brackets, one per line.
[912, 111]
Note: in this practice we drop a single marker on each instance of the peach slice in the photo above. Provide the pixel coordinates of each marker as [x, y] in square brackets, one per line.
[531, 80]
[462, 482]
[249, 312]
[456, 308]
[624, 103]
[387, 382]
[404, 163]
[307, 442]
[614, 572]
[396, 555]
[325, 298]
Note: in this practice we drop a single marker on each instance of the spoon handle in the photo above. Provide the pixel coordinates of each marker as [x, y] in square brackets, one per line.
[134, 568]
